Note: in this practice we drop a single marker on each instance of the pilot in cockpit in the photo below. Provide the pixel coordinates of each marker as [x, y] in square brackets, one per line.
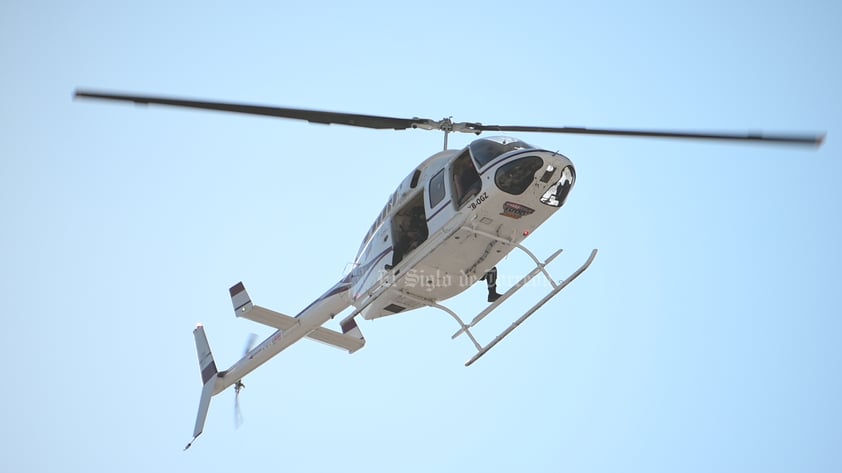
[465, 179]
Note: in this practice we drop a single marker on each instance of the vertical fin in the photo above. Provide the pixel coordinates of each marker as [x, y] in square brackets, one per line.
[209, 375]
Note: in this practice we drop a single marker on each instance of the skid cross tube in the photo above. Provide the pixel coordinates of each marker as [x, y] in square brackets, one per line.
[516, 245]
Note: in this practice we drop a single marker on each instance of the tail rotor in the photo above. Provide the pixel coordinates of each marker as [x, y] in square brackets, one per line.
[238, 386]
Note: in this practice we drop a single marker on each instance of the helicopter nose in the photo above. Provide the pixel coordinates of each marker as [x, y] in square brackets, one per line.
[557, 193]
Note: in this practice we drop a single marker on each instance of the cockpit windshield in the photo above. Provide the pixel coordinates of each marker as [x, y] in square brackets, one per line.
[484, 150]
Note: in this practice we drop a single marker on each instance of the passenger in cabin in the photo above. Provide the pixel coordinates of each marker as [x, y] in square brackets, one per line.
[417, 231]
[409, 239]
[491, 279]
[400, 249]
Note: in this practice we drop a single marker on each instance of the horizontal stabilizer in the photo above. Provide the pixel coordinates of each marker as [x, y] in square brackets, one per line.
[338, 340]
[268, 317]
[351, 339]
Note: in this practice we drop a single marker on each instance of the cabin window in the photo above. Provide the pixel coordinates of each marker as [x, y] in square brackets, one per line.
[415, 176]
[437, 189]
[409, 228]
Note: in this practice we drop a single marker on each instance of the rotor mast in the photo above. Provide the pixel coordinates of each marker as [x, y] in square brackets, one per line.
[446, 126]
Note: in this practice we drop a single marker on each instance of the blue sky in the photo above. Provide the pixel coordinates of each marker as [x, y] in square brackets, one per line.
[705, 337]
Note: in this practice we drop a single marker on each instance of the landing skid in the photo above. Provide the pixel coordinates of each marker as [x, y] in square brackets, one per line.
[540, 267]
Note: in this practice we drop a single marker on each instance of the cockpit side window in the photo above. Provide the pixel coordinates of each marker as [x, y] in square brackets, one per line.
[466, 180]
[436, 190]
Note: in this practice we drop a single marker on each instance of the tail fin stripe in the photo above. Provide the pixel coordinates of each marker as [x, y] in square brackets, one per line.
[208, 372]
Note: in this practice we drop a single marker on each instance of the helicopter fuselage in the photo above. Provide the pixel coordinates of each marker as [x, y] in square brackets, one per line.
[449, 222]
[452, 220]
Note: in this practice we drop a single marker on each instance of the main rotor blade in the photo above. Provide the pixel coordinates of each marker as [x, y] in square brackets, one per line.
[312, 116]
[795, 139]
[446, 124]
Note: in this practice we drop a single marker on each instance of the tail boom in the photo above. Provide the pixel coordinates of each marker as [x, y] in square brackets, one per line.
[306, 323]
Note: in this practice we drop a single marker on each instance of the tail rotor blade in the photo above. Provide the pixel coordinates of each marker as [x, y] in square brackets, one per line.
[249, 343]
[238, 413]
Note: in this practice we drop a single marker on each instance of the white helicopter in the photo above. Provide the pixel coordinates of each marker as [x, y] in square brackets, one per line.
[450, 221]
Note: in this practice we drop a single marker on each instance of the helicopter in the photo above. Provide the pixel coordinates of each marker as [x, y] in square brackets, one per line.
[448, 224]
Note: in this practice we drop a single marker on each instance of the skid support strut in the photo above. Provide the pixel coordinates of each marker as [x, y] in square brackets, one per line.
[532, 310]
